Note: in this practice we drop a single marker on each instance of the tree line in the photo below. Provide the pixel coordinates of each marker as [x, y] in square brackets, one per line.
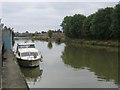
[102, 25]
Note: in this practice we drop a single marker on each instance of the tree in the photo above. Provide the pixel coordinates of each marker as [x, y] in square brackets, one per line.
[27, 32]
[115, 26]
[104, 24]
[86, 26]
[72, 25]
[43, 32]
[50, 33]
[66, 26]
[77, 26]
[59, 31]
[101, 23]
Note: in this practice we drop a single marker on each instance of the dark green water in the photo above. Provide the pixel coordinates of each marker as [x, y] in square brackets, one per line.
[68, 66]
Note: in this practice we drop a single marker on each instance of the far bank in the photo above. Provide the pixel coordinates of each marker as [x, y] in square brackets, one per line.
[59, 38]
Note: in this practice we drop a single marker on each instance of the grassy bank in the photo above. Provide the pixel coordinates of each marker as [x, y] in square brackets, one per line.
[45, 37]
[109, 43]
[59, 37]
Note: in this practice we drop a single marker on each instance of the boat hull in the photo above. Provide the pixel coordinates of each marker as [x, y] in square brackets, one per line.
[28, 63]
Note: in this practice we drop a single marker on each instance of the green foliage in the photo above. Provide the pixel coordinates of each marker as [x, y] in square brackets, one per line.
[58, 41]
[86, 26]
[50, 45]
[104, 24]
[50, 33]
[115, 26]
[72, 25]
[101, 24]
[66, 25]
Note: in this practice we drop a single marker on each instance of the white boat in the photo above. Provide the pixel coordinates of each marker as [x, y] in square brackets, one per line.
[27, 55]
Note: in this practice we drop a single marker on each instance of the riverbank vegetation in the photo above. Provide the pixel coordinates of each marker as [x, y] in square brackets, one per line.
[86, 42]
[102, 25]
[100, 28]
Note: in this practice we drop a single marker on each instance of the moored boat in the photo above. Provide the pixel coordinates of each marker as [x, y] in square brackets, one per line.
[27, 56]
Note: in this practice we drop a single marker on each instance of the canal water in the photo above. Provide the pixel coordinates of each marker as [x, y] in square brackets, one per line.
[70, 66]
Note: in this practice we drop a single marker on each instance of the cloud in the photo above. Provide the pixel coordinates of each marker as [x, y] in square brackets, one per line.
[0, 10]
[59, 1]
[38, 16]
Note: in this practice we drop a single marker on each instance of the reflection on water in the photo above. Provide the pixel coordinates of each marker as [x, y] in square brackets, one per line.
[33, 40]
[69, 66]
[58, 41]
[50, 45]
[32, 75]
[103, 63]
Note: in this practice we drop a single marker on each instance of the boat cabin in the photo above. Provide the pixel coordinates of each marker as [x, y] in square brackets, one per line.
[28, 52]
[25, 45]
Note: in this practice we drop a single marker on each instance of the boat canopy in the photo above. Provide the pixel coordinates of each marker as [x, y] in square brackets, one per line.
[26, 45]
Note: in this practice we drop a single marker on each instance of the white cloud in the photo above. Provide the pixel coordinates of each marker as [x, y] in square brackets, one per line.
[45, 15]
[59, 1]
[0, 10]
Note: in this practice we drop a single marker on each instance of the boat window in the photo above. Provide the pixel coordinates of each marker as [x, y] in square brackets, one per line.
[31, 46]
[29, 54]
[33, 54]
[22, 46]
[25, 54]
[26, 46]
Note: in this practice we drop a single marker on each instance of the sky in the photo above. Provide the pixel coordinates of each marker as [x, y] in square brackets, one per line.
[42, 16]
